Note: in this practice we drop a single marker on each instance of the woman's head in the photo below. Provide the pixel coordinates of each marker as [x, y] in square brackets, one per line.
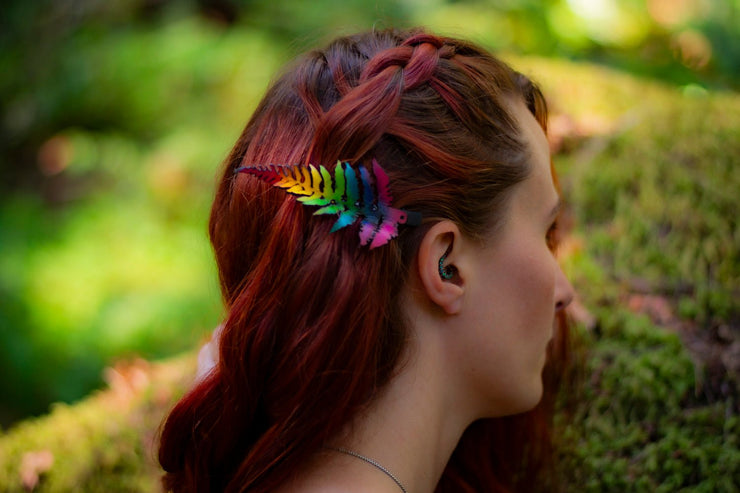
[436, 113]
[315, 324]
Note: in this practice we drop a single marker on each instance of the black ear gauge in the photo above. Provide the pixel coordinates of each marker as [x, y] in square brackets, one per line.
[447, 272]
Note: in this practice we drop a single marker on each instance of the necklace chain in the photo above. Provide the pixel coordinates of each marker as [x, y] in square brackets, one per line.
[371, 462]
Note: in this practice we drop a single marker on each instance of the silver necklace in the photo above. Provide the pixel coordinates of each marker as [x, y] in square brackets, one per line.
[371, 462]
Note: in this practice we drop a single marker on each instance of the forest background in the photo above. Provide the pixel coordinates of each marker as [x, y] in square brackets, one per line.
[114, 117]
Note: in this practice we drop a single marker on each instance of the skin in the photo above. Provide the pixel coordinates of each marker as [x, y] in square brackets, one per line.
[515, 286]
[477, 347]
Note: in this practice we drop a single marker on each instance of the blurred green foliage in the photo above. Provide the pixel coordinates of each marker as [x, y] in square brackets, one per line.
[106, 254]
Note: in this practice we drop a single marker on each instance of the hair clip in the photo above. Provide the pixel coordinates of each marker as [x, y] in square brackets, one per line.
[350, 195]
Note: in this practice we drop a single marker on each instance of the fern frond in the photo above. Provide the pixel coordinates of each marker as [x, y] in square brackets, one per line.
[344, 193]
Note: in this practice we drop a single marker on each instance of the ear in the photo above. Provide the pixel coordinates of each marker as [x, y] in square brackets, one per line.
[442, 238]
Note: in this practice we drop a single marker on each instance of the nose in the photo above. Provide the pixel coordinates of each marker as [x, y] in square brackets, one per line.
[563, 290]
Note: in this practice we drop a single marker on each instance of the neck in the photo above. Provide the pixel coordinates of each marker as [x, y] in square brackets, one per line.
[413, 427]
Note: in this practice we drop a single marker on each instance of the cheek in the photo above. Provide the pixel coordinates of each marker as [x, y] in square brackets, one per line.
[528, 288]
[519, 323]
[538, 290]
[528, 309]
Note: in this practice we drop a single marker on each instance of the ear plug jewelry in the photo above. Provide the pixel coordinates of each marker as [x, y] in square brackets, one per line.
[445, 273]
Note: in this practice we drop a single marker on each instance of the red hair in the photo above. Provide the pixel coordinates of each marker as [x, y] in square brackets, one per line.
[314, 326]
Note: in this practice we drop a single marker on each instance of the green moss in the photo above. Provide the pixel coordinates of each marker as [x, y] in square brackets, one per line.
[104, 443]
[662, 200]
[652, 180]
[635, 430]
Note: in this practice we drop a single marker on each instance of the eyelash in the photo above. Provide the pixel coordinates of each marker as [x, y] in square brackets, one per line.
[550, 237]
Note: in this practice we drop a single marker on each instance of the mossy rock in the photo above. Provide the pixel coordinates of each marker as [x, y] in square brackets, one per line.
[638, 425]
[652, 182]
[106, 443]
[647, 174]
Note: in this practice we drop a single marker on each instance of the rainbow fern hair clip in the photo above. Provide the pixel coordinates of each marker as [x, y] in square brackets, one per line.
[351, 195]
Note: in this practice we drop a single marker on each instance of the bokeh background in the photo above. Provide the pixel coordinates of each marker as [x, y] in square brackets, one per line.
[115, 115]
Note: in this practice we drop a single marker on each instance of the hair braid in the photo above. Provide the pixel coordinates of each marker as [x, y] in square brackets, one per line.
[365, 112]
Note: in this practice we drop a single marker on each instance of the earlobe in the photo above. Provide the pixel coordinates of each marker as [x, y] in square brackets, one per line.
[438, 272]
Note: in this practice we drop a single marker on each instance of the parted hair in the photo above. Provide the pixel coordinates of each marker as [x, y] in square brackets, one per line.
[314, 327]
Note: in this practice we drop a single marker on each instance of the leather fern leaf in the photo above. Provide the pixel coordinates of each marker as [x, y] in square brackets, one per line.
[351, 195]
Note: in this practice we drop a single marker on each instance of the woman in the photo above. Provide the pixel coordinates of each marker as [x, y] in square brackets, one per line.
[376, 344]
